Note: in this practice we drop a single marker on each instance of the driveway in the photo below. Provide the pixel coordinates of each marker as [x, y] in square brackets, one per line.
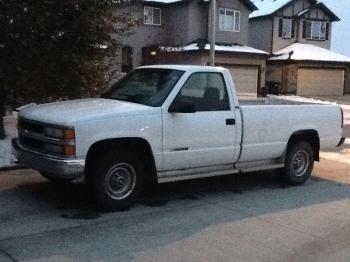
[250, 217]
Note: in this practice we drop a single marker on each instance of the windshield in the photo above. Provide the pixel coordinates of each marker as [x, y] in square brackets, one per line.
[148, 86]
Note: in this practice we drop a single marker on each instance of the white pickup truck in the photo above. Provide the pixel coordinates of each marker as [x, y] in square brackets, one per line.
[169, 123]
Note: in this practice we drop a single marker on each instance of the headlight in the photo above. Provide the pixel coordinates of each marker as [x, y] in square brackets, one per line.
[63, 145]
[65, 150]
[54, 148]
[59, 132]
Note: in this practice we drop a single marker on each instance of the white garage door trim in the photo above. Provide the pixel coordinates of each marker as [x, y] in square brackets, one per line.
[246, 79]
[320, 81]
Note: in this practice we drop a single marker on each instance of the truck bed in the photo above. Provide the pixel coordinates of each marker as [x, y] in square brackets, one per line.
[268, 123]
[279, 100]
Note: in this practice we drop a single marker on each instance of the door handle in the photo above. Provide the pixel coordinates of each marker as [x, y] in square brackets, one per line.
[230, 121]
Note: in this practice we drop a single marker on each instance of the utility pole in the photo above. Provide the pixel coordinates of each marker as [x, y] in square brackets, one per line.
[213, 32]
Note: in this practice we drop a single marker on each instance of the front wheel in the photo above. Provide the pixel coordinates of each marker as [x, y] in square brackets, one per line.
[116, 180]
[299, 163]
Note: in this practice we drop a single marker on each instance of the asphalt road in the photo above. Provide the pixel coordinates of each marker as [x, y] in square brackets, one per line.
[233, 218]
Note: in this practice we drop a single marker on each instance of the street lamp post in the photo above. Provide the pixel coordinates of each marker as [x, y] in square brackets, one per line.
[213, 32]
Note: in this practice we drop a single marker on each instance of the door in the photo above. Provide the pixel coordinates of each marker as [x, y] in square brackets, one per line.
[246, 79]
[206, 137]
[320, 82]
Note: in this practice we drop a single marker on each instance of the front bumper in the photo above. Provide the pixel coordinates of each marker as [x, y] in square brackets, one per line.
[63, 168]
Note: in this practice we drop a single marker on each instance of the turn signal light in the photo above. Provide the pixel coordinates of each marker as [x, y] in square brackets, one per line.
[69, 134]
[69, 150]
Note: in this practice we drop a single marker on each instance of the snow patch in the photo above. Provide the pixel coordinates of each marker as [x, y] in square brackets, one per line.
[301, 99]
[306, 52]
[163, 1]
[5, 153]
[225, 48]
[267, 7]
[6, 157]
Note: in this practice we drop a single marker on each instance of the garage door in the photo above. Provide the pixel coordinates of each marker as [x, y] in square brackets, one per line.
[246, 79]
[321, 82]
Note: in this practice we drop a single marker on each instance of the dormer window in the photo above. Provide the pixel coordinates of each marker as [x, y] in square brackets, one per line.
[286, 28]
[316, 30]
[152, 15]
[229, 20]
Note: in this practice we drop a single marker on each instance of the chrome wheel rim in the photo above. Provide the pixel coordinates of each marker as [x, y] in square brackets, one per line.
[120, 181]
[300, 163]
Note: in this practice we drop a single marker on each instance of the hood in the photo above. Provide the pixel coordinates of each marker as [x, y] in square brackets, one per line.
[74, 111]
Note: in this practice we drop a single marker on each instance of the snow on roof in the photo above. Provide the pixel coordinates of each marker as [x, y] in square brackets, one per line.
[163, 1]
[267, 7]
[306, 52]
[304, 11]
[224, 48]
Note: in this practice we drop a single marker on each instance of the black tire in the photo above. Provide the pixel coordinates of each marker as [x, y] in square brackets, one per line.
[55, 179]
[116, 179]
[299, 163]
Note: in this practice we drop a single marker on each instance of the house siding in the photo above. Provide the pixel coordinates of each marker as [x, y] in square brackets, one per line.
[347, 80]
[260, 34]
[143, 35]
[175, 21]
[197, 27]
[182, 24]
[274, 73]
[293, 10]
[222, 59]
[278, 42]
[240, 37]
[187, 22]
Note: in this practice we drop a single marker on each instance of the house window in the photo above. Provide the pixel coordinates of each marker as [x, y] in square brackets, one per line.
[316, 30]
[126, 59]
[152, 15]
[287, 28]
[229, 20]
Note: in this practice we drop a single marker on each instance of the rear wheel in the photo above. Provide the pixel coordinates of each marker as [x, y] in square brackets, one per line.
[299, 163]
[116, 179]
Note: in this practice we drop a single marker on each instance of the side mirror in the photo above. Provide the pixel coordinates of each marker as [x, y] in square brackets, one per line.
[182, 107]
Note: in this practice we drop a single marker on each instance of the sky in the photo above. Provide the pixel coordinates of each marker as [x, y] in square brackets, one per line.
[341, 30]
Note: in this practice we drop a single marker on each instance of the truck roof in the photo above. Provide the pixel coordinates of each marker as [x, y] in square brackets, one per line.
[186, 67]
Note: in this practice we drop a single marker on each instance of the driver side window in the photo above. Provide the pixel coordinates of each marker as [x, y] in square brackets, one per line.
[207, 91]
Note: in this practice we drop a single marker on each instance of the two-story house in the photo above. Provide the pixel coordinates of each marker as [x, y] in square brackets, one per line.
[177, 32]
[298, 35]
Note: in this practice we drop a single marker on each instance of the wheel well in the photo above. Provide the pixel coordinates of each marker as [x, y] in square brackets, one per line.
[138, 146]
[310, 136]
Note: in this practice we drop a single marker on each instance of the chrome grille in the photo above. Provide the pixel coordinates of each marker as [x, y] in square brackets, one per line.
[30, 126]
[32, 135]
[25, 129]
